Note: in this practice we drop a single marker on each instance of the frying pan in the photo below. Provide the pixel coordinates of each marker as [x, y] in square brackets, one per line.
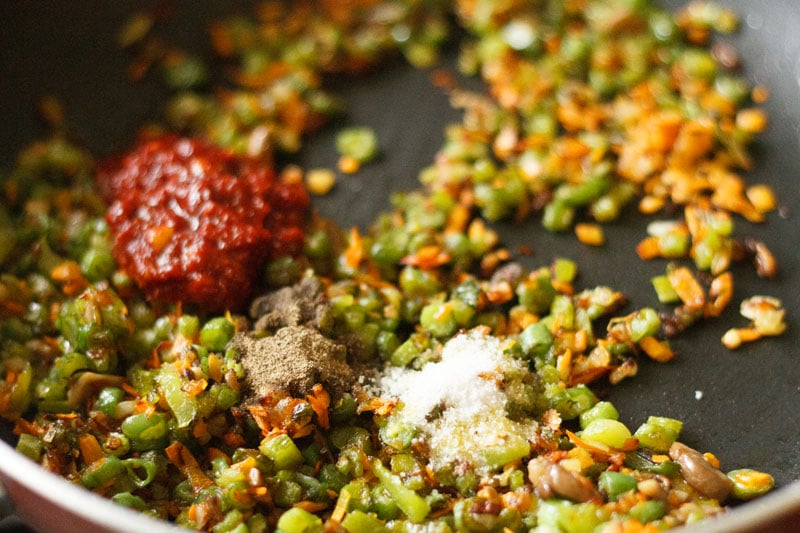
[744, 404]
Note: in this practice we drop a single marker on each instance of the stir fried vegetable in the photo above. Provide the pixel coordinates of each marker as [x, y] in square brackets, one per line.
[414, 376]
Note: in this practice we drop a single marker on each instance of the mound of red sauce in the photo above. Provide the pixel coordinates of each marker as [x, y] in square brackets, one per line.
[195, 223]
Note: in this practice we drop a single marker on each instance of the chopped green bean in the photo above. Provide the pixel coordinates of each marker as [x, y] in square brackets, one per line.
[358, 143]
[609, 432]
[282, 451]
[146, 432]
[749, 483]
[296, 520]
[615, 484]
[216, 334]
[108, 399]
[413, 505]
[658, 433]
[648, 511]
[358, 521]
[600, 411]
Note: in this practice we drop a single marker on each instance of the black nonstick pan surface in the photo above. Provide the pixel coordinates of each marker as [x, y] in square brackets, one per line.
[744, 404]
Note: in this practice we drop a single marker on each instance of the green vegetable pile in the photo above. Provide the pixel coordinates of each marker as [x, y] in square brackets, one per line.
[591, 105]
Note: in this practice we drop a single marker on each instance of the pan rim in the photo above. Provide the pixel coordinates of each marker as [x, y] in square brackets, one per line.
[750, 516]
[59, 492]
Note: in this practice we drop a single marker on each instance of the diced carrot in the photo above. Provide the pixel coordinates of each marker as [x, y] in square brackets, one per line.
[458, 219]
[599, 451]
[518, 500]
[649, 248]
[341, 507]
[711, 459]
[200, 431]
[215, 453]
[194, 387]
[70, 276]
[564, 365]
[751, 120]
[181, 457]
[320, 181]
[245, 465]
[215, 368]
[591, 234]
[91, 450]
[688, 288]
[348, 164]
[760, 94]
[762, 197]
[233, 439]
[154, 361]
[355, 249]
[320, 401]
[656, 349]
[735, 337]
[311, 507]
[720, 294]
[427, 257]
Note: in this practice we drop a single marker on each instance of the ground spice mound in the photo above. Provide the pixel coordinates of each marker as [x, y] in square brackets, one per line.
[294, 359]
[301, 304]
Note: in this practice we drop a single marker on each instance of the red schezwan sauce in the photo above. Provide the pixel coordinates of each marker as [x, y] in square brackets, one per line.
[195, 223]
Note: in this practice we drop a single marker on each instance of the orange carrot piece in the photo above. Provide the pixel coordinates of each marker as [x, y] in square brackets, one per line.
[91, 450]
[180, 456]
[656, 349]
[320, 401]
